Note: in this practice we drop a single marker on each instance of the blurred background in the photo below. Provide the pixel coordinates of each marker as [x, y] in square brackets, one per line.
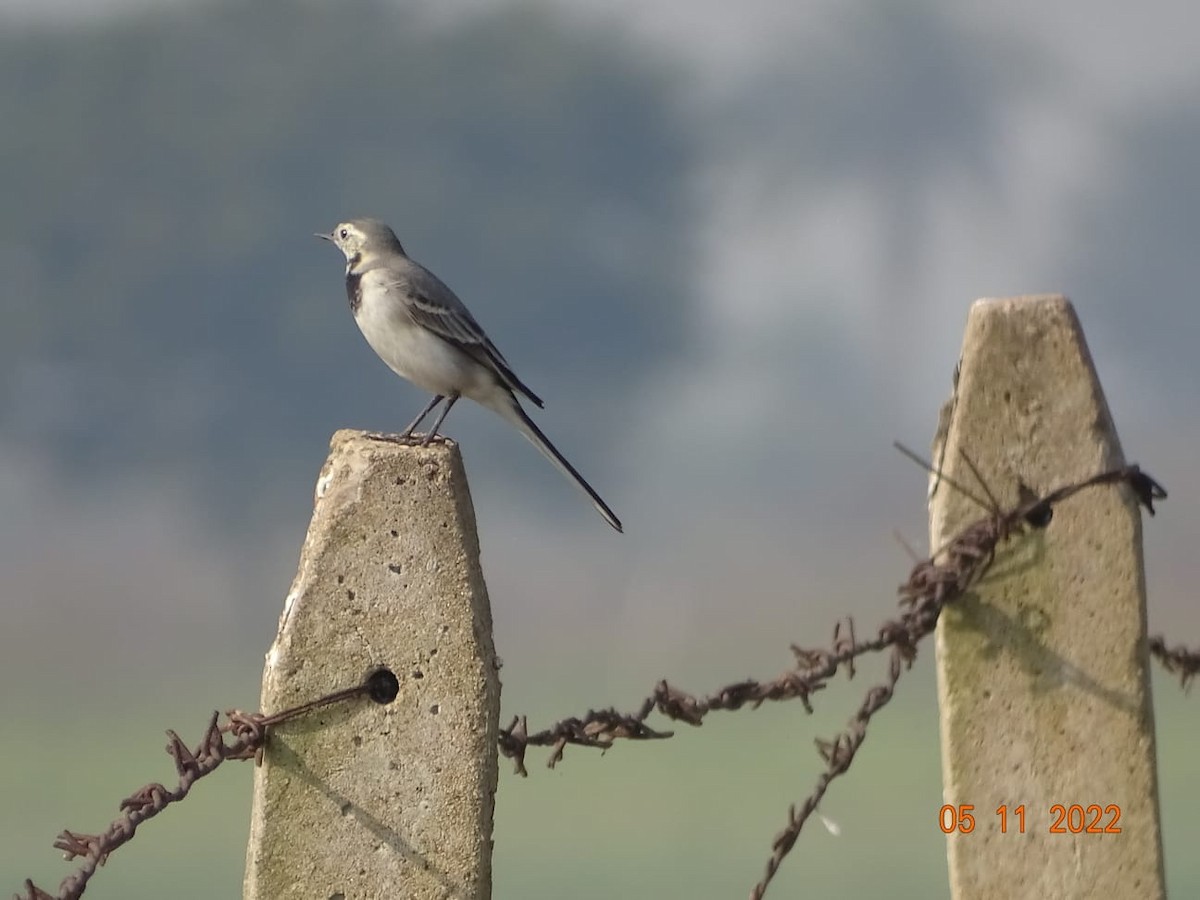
[733, 247]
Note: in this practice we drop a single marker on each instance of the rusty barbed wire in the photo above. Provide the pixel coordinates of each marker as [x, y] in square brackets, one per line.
[248, 732]
[932, 584]
[1177, 660]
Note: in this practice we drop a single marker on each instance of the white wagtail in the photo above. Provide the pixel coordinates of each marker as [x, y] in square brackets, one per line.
[426, 335]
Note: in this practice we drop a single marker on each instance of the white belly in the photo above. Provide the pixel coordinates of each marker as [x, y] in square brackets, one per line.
[419, 355]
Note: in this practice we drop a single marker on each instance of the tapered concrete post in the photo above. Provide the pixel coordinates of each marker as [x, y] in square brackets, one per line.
[363, 800]
[1043, 670]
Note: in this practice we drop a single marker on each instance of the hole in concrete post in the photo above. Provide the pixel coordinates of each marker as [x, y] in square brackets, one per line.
[383, 685]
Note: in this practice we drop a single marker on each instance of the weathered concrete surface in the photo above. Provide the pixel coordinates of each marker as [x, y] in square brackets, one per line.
[1042, 671]
[363, 800]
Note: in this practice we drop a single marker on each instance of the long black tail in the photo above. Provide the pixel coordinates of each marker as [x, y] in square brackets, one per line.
[526, 426]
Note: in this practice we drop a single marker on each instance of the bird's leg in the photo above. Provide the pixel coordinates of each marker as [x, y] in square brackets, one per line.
[450, 401]
[437, 398]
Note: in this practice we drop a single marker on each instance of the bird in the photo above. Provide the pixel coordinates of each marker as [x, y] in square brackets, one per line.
[426, 335]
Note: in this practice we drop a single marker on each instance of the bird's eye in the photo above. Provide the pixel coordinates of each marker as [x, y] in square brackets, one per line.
[343, 234]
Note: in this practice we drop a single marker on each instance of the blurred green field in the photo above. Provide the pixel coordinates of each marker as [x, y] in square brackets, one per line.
[693, 816]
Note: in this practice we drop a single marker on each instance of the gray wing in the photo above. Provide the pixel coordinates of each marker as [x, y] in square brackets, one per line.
[435, 307]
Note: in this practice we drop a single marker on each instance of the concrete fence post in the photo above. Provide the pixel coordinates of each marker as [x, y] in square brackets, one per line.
[363, 800]
[1043, 681]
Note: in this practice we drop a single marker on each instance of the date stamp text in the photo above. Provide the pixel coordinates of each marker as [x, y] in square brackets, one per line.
[1075, 818]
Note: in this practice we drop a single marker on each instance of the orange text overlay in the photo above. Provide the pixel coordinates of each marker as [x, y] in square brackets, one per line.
[1075, 818]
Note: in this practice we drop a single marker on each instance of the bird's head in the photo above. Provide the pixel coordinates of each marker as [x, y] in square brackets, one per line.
[362, 239]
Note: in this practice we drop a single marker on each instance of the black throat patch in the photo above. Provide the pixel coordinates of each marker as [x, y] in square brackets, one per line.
[354, 290]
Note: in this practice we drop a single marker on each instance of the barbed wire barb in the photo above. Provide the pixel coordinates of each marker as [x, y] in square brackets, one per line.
[1178, 660]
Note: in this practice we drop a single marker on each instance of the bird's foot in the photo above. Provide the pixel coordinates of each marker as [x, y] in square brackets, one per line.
[405, 439]
[408, 439]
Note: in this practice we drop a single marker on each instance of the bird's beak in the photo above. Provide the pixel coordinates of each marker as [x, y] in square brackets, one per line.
[327, 237]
